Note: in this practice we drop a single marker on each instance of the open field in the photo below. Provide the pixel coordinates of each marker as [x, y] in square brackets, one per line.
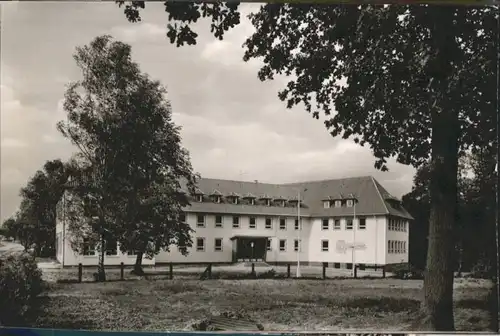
[284, 304]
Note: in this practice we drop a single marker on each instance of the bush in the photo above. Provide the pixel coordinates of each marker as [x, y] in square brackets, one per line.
[405, 271]
[482, 270]
[20, 283]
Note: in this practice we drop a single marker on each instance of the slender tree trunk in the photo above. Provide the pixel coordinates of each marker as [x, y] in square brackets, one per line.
[101, 273]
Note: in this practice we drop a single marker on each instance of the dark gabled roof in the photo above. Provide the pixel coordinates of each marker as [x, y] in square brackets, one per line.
[384, 194]
[371, 197]
[198, 191]
[216, 193]
[250, 196]
[233, 194]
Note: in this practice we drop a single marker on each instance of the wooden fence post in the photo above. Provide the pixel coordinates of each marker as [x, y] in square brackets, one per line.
[288, 270]
[325, 265]
[355, 271]
[80, 272]
[253, 268]
[383, 271]
[171, 270]
[122, 268]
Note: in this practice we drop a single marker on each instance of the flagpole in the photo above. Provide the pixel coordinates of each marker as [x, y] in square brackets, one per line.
[298, 236]
[354, 238]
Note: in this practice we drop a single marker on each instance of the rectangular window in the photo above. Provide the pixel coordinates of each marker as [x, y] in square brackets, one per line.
[336, 224]
[282, 245]
[324, 245]
[88, 247]
[199, 198]
[297, 225]
[362, 224]
[404, 247]
[218, 244]
[252, 224]
[236, 222]
[282, 224]
[349, 203]
[217, 199]
[389, 246]
[326, 204]
[296, 245]
[200, 244]
[252, 201]
[269, 223]
[235, 200]
[348, 265]
[338, 204]
[218, 221]
[111, 247]
[269, 246]
[336, 265]
[182, 217]
[348, 224]
[324, 224]
[268, 202]
[200, 220]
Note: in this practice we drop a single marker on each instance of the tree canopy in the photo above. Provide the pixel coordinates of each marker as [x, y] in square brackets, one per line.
[417, 83]
[34, 224]
[121, 122]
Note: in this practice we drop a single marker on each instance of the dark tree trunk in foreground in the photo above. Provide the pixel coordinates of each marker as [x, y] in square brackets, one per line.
[438, 280]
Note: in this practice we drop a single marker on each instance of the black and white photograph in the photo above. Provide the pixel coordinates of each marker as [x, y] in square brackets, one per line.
[259, 167]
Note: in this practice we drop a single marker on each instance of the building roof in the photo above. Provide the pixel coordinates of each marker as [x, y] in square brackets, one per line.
[373, 199]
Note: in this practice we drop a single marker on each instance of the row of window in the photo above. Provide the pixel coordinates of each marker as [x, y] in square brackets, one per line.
[271, 202]
[338, 203]
[325, 224]
[200, 244]
[396, 246]
[397, 225]
[252, 223]
[249, 201]
[90, 248]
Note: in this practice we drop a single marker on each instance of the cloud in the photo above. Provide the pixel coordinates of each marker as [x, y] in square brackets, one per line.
[13, 143]
[139, 32]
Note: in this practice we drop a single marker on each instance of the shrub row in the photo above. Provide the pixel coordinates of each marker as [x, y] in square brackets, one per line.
[20, 283]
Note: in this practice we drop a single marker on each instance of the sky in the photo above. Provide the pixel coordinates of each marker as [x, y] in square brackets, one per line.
[233, 125]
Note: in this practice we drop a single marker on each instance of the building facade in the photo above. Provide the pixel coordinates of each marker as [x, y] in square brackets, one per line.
[344, 221]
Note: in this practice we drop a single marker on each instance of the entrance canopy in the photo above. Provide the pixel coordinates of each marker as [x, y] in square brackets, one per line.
[249, 237]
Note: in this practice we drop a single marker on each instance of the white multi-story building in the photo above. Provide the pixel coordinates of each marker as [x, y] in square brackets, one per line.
[338, 221]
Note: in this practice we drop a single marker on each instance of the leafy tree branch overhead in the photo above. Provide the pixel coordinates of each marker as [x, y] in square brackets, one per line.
[420, 85]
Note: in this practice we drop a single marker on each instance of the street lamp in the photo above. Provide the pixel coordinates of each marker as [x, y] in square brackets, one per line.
[298, 233]
[354, 234]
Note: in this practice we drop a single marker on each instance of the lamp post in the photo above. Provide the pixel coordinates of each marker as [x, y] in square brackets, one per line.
[251, 245]
[354, 235]
[298, 233]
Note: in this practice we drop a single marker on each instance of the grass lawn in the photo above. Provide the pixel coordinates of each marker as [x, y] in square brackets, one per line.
[286, 304]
